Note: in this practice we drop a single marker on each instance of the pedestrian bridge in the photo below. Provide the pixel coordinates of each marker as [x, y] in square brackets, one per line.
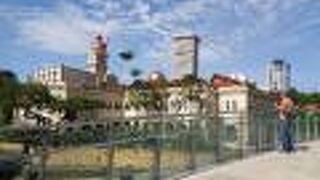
[167, 147]
[301, 165]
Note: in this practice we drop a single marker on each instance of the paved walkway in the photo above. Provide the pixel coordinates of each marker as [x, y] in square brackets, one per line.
[302, 165]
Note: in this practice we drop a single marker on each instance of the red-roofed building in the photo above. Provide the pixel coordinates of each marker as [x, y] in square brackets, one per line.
[241, 106]
[314, 108]
[219, 80]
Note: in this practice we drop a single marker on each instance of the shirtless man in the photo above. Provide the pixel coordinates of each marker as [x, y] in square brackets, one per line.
[285, 108]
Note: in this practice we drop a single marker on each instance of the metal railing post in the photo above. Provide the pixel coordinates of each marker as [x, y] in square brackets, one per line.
[315, 129]
[311, 129]
[260, 142]
[43, 161]
[242, 123]
[257, 135]
[156, 146]
[218, 138]
[191, 146]
[217, 124]
[110, 158]
[275, 122]
[156, 160]
[110, 152]
[308, 134]
[297, 130]
[43, 152]
[262, 132]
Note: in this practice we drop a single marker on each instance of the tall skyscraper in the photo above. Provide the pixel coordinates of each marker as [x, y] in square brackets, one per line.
[97, 60]
[278, 76]
[185, 55]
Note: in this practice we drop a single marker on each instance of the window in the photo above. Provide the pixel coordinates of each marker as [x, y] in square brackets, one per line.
[234, 106]
[227, 105]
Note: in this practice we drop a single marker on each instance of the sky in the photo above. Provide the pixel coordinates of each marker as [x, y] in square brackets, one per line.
[237, 36]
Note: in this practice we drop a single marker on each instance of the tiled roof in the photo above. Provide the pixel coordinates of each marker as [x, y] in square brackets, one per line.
[219, 80]
[315, 107]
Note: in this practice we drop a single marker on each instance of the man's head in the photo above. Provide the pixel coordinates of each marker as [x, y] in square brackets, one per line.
[287, 101]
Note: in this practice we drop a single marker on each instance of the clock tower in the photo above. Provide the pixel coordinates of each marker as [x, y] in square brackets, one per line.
[97, 59]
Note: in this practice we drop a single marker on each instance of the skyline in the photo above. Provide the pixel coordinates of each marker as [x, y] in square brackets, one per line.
[236, 36]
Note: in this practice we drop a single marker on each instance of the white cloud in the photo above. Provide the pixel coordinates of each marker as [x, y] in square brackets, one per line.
[68, 27]
[66, 30]
[58, 32]
[14, 13]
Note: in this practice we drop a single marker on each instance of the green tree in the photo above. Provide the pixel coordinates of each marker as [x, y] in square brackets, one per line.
[189, 84]
[148, 94]
[8, 93]
[158, 93]
[294, 94]
[16, 95]
[303, 97]
[137, 93]
[34, 95]
[77, 105]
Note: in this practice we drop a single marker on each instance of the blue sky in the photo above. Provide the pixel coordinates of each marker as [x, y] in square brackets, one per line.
[238, 36]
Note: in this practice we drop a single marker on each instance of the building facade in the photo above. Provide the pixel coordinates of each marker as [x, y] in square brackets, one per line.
[63, 81]
[96, 61]
[185, 55]
[278, 76]
[176, 97]
[181, 102]
[95, 83]
[244, 110]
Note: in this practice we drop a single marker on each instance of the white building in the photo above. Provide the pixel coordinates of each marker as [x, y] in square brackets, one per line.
[247, 113]
[185, 55]
[94, 83]
[177, 98]
[179, 103]
[66, 82]
[63, 81]
[278, 76]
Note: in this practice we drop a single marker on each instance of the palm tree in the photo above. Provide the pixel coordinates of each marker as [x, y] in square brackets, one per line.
[135, 95]
[135, 73]
[126, 55]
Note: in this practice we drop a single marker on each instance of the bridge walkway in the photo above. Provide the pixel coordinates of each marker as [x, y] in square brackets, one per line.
[304, 164]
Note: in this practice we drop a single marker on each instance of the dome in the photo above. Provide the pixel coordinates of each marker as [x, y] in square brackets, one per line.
[156, 76]
[99, 42]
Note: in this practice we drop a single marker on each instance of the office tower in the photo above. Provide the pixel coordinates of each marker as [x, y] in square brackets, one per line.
[278, 76]
[185, 55]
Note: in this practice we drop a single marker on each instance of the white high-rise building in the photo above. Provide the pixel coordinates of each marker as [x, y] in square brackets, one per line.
[185, 55]
[278, 76]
